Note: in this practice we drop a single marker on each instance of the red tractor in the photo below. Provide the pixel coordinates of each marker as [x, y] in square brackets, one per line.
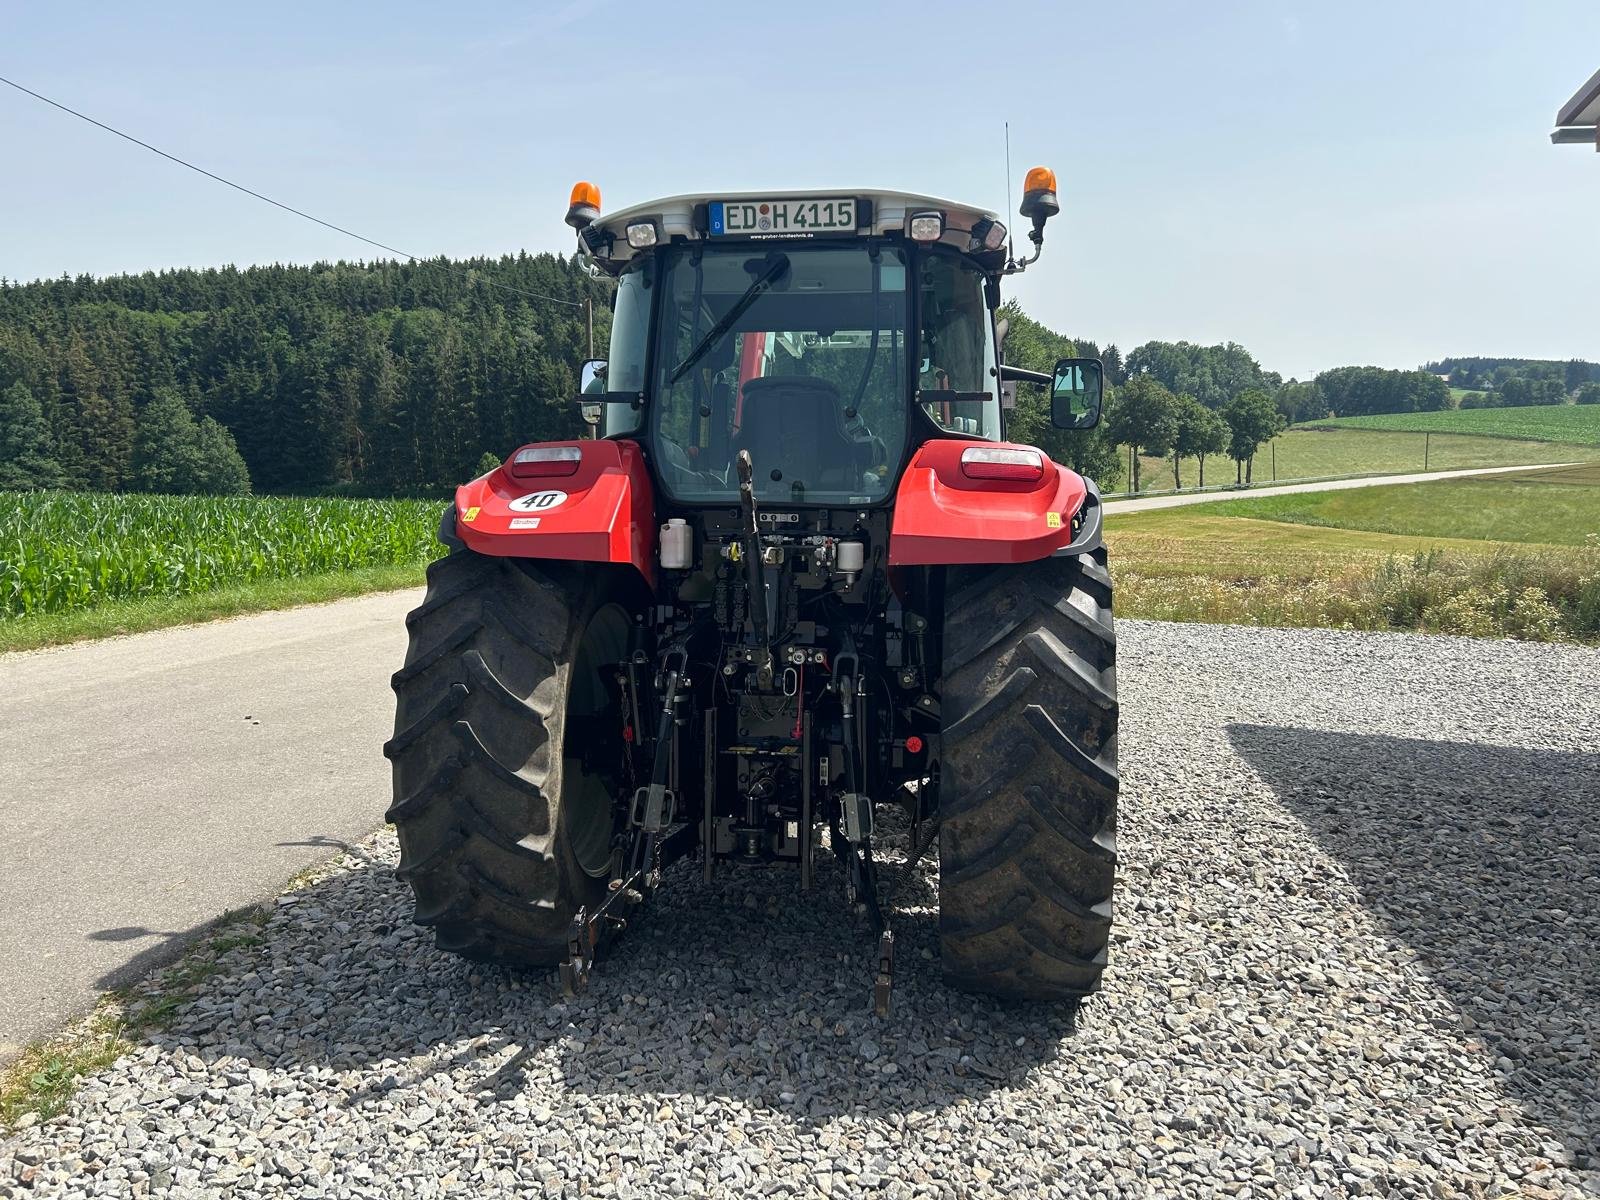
[797, 574]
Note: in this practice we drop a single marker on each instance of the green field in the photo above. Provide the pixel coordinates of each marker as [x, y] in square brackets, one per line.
[1575, 424]
[65, 556]
[1303, 453]
[1554, 507]
[1455, 556]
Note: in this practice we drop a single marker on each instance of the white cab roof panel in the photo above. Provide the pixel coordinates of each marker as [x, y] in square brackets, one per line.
[676, 216]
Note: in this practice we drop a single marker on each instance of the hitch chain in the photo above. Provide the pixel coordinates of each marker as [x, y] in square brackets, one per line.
[583, 939]
[652, 811]
[882, 987]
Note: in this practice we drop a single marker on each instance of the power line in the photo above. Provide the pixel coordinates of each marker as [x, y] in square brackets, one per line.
[239, 187]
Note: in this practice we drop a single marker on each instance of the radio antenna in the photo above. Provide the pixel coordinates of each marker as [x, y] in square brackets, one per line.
[1011, 242]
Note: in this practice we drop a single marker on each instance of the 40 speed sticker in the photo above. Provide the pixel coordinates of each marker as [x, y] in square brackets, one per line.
[538, 502]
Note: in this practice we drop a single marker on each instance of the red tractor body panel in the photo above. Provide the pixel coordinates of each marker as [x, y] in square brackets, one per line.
[603, 510]
[943, 516]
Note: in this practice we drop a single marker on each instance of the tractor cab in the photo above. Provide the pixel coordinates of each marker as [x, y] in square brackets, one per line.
[826, 335]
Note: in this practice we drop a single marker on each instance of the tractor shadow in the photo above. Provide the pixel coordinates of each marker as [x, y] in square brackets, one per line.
[767, 999]
[742, 989]
[1483, 860]
[776, 1008]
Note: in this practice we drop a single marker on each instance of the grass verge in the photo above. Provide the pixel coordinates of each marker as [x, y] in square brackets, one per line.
[1186, 564]
[158, 612]
[40, 1082]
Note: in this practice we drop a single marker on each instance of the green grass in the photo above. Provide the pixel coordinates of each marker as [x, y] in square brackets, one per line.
[159, 612]
[1197, 542]
[1303, 453]
[1556, 507]
[64, 552]
[1431, 570]
[1574, 424]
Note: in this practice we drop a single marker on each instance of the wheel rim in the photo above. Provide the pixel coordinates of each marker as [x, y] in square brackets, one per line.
[590, 780]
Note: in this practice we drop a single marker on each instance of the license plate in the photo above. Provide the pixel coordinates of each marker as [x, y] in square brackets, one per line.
[752, 218]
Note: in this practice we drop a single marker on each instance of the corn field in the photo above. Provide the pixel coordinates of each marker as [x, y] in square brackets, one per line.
[72, 550]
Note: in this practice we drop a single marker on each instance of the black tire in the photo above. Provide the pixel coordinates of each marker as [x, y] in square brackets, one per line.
[506, 745]
[1028, 778]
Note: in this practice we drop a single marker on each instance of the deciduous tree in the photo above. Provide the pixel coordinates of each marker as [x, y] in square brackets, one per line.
[1143, 415]
[172, 452]
[1201, 433]
[1252, 419]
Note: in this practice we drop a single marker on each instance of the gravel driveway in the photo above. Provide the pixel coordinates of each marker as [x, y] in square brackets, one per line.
[1358, 953]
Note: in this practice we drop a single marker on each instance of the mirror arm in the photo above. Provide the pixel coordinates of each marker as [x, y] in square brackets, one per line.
[634, 400]
[1023, 375]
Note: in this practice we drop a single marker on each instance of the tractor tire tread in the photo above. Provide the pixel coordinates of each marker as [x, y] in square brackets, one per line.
[1028, 783]
[480, 710]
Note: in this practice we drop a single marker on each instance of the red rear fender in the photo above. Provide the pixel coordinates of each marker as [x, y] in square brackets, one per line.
[604, 511]
[942, 516]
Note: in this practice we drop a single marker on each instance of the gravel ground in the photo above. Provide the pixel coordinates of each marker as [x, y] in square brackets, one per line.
[1358, 953]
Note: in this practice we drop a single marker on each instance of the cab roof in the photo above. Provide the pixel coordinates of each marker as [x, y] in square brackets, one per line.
[686, 217]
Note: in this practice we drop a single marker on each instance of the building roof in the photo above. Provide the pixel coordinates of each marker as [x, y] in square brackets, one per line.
[1579, 118]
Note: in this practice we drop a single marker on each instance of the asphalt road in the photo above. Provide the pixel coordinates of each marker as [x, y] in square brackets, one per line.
[150, 783]
[1146, 503]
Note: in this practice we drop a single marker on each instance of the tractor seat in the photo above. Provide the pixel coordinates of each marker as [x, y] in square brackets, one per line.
[793, 424]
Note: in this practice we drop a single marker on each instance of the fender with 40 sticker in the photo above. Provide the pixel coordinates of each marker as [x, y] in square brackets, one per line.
[601, 509]
[538, 502]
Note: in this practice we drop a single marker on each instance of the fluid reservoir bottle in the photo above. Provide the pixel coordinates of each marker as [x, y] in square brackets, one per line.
[677, 544]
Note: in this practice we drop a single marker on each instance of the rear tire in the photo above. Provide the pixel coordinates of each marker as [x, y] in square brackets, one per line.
[1028, 778]
[508, 739]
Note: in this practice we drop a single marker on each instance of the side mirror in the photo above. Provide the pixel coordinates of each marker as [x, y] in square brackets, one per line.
[1075, 393]
[591, 381]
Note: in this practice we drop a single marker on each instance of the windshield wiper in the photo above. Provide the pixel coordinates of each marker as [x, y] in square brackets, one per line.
[777, 268]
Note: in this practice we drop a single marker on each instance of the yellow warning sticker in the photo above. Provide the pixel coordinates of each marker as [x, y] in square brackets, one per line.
[1053, 520]
[471, 515]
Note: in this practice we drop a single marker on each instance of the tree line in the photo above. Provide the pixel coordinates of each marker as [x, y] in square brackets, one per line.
[396, 378]
[385, 377]
[1492, 374]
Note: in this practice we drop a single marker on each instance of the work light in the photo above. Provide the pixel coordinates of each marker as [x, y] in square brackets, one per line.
[927, 226]
[533, 461]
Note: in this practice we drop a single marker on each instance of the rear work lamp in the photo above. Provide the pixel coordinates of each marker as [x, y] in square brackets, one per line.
[988, 234]
[535, 461]
[999, 462]
[926, 226]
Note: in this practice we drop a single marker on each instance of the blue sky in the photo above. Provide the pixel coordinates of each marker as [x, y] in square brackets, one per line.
[1326, 184]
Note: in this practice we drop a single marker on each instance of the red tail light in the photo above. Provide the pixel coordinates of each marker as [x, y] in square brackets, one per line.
[545, 461]
[998, 462]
